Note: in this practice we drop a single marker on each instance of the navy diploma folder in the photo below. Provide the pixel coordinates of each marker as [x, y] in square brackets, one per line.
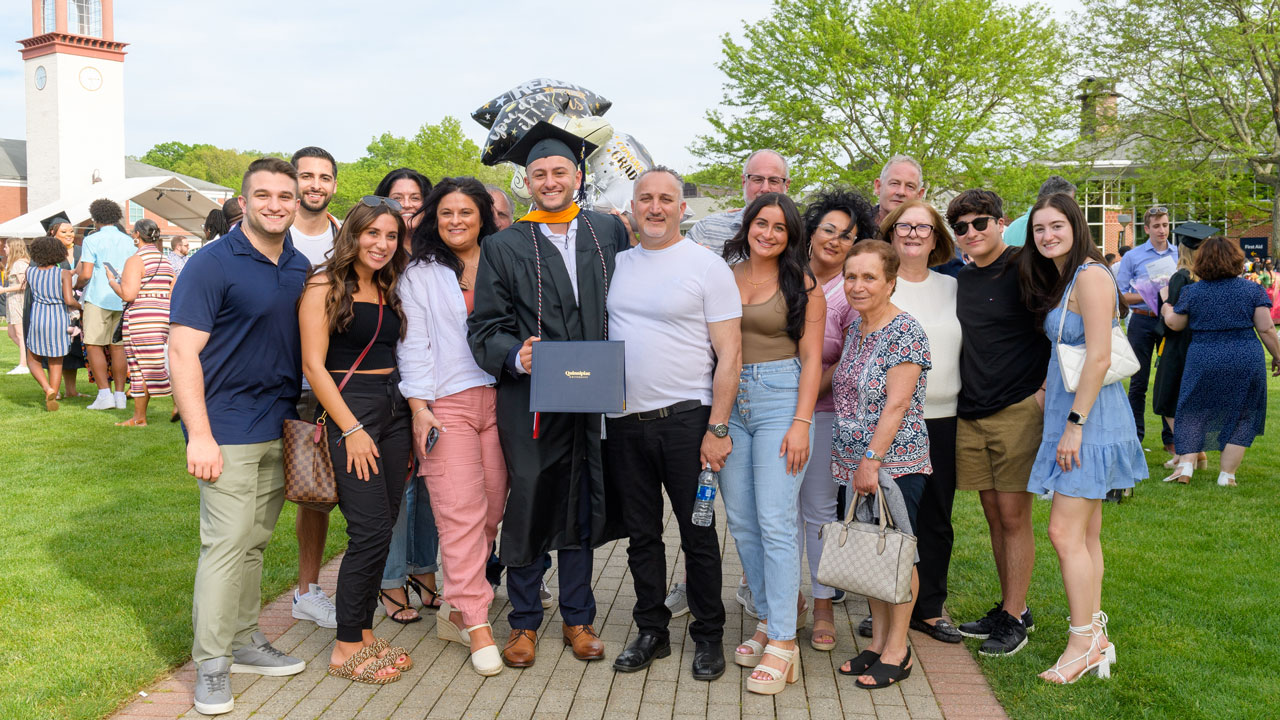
[585, 376]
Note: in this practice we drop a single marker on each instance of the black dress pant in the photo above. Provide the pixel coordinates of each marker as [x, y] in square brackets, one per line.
[370, 506]
[1143, 336]
[934, 535]
[644, 457]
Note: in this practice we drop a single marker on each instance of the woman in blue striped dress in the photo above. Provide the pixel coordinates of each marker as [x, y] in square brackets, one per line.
[48, 336]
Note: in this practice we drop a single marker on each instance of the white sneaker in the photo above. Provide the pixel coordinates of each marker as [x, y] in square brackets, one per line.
[122, 401]
[316, 607]
[544, 595]
[104, 401]
[20, 370]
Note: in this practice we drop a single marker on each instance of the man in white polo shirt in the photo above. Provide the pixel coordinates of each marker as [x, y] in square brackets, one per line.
[676, 306]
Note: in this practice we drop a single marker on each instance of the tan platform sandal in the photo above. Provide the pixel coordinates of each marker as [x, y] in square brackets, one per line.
[828, 629]
[757, 650]
[778, 679]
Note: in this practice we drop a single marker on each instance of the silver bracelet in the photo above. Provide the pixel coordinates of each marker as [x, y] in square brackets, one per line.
[354, 428]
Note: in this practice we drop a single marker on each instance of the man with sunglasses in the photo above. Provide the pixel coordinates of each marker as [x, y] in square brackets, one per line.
[1000, 409]
[1143, 323]
[764, 171]
[312, 234]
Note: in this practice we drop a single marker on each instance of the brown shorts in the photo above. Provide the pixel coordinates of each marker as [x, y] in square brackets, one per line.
[996, 452]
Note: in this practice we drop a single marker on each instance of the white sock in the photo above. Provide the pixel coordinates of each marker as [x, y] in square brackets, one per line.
[106, 392]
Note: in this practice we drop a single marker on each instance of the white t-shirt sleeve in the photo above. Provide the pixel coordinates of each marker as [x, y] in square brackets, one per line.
[720, 299]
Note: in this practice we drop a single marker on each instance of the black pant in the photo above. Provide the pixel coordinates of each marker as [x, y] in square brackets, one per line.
[577, 603]
[934, 535]
[371, 506]
[1143, 337]
[646, 456]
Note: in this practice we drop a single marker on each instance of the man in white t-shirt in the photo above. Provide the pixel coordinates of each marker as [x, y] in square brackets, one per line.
[676, 306]
[312, 234]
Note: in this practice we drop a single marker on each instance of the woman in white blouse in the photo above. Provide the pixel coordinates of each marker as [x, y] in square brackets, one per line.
[448, 393]
[922, 240]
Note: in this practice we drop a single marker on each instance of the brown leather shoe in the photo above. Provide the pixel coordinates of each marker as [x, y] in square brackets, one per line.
[586, 644]
[521, 649]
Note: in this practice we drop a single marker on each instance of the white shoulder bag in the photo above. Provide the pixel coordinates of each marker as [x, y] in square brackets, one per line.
[1124, 362]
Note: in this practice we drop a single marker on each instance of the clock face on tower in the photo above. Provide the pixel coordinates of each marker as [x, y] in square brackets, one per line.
[90, 78]
[42, 77]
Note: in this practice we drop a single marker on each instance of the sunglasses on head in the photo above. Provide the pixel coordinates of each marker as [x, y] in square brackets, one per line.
[978, 223]
[374, 201]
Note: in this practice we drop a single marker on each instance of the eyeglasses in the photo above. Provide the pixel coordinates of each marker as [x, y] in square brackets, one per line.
[829, 231]
[773, 181]
[978, 223]
[907, 230]
[374, 201]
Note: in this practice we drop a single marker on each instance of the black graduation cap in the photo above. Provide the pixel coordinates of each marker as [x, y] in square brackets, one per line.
[546, 140]
[1192, 234]
[56, 219]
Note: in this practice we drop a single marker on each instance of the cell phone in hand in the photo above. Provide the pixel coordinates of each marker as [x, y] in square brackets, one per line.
[432, 436]
[110, 269]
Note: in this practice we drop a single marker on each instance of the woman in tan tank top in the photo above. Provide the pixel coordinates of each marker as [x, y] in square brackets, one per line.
[783, 316]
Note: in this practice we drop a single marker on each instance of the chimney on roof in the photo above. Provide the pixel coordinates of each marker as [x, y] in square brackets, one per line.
[1097, 105]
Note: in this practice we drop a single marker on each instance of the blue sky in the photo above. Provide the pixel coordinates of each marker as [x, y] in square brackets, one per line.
[280, 74]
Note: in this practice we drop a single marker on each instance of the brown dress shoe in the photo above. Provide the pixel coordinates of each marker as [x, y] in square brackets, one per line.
[585, 642]
[521, 649]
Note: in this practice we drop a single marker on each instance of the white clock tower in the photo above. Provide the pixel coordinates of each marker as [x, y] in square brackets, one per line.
[75, 99]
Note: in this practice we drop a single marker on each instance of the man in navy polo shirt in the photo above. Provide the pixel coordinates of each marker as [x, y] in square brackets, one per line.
[236, 358]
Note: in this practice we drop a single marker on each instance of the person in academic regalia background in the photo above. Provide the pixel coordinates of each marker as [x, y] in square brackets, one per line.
[546, 278]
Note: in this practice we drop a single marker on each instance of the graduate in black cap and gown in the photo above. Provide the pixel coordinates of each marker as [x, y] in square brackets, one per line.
[546, 278]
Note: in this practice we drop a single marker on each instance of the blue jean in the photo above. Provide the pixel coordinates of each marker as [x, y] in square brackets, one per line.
[415, 545]
[760, 497]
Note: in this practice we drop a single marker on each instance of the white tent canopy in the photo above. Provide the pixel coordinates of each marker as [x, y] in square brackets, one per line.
[167, 196]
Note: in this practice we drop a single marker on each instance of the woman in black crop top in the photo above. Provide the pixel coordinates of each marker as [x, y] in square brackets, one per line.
[350, 319]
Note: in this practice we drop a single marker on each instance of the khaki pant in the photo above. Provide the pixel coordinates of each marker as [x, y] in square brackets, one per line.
[237, 516]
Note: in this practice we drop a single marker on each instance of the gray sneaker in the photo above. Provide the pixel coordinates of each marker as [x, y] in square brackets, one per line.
[545, 596]
[213, 687]
[263, 659]
[747, 602]
[678, 600]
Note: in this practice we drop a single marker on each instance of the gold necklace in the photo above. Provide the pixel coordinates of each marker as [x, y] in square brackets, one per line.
[762, 282]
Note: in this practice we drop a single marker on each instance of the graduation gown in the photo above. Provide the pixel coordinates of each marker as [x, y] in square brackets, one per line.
[545, 474]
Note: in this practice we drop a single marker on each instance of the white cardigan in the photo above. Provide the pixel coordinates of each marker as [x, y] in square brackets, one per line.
[434, 357]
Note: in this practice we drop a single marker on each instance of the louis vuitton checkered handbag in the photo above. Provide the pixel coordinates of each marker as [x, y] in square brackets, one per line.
[870, 559]
[308, 468]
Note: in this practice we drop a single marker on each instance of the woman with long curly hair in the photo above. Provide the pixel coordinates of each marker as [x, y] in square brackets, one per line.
[783, 315]
[351, 319]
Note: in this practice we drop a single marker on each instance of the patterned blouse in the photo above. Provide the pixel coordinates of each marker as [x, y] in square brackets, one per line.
[860, 391]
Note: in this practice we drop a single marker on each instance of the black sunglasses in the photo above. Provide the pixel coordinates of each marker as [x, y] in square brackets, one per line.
[374, 201]
[978, 223]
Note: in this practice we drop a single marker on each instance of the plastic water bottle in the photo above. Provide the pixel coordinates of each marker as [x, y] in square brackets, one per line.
[702, 511]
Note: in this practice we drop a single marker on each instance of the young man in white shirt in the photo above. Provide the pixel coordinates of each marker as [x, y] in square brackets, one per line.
[312, 234]
[677, 308]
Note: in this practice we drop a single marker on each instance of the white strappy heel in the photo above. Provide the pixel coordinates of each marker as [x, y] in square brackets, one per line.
[778, 679]
[1100, 621]
[757, 650]
[1102, 667]
[1183, 473]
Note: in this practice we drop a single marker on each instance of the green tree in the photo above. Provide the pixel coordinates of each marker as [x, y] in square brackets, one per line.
[1200, 86]
[440, 150]
[223, 166]
[970, 88]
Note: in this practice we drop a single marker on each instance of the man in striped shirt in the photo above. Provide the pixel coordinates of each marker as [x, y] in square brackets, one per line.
[765, 171]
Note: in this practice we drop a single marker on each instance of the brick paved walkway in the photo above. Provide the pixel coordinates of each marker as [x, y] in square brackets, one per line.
[945, 682]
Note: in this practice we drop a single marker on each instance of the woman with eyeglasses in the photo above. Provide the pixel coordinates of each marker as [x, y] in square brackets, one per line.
[454, 406]
[783, 312]
[408, 188]
[1090, 445]
[350, 319]
[834, 220]
[922, 239]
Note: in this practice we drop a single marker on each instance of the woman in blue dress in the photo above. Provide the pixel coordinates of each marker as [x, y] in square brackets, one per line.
[1090, 445]
[48, 336]
[1224, 382]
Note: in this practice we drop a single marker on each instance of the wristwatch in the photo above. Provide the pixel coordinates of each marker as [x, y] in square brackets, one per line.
[871, 455]
[719, 431]
[1076, 418]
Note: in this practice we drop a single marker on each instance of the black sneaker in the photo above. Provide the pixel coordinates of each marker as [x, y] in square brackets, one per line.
[1008, 636]
[864, 627]
[981, 628]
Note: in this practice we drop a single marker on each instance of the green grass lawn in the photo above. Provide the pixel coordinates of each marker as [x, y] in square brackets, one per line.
[1192, 588]
[99, 530]
[99, 533]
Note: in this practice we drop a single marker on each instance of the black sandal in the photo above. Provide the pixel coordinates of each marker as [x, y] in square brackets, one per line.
[423, 591]
[858, 665]
[402, 606]
[886, 675]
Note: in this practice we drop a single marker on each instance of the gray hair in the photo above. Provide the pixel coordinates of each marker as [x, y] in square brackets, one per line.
[511, 206]
[662, 169]
[786, 168]
[898, 160]
[1056, 184]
